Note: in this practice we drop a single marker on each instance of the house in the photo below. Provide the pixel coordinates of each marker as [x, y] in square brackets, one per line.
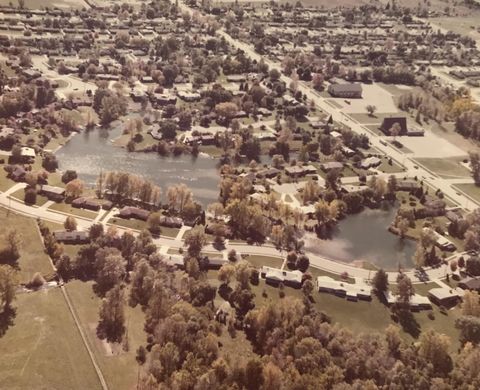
[296, 171]
[388, 123]
[328, 166]
[236, 78]
[27, 154]
[442, 242]
[73, 237]
[269, 173]
[171, 222]
[408, 185]
[345, 90]
[470, 283]
[189, 96]
[163, 99]
[53, 193]
[134, 212]
[275, 276]
[442, 296]
[6, 132]
[417, 302]
[352, 291]
[370, 162]
[86, 203]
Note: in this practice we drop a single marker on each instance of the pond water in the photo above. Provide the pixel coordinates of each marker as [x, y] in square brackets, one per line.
[364, 237]
[90, 152]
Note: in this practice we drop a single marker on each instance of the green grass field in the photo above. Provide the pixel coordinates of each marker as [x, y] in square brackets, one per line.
[118, 367]
[43, 349]
[32, 256]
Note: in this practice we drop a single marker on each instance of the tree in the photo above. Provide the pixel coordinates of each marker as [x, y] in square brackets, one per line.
[471, 304]
[8, 286]
[434, 349]
[469, 329]
[395, 130]
[225, 273]
[195, 240]
[419, 256]
[475, 165]
[226, 110]
[70, 223]
[142, 284]
[380, 281]
[153, 222]
[371, 109]
[402, 225]
[111, 325]
[405, 290]
[303, 263]
[74, 188]
[110, 270]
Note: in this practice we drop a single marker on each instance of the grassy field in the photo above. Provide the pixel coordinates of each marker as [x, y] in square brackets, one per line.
[40, 4]
[445, 167]
[118, 367]
[470, 189]
[43, 349]
[32, 256]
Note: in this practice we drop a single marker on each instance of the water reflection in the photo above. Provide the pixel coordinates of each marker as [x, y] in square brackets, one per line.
[91, 152]
[364, 236]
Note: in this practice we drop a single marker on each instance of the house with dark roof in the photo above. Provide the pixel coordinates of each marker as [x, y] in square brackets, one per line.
[345, 90]
[470, 283]
[134, 212]
[86, 203]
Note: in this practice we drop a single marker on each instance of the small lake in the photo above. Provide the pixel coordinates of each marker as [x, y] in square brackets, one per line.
[90, 152]
[364, 236]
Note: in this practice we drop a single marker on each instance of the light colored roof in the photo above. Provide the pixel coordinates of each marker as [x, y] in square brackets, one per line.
[27, 152]
[350, 289]
[281, 275]
[445, 293]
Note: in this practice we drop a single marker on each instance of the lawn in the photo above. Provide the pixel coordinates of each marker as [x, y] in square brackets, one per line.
[133, 224]
[445, 167]
[68, 209]
[20, 195]
[385, 167]
[258, 261]
[43, 349]
[32, 256]
[118, 367]
[470, 189]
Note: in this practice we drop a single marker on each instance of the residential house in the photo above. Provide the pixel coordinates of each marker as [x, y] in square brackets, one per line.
[470, 283]
[370, 162]
[352, 291]
[443, 296]
[53, 193]
[86, 203]
[345, 90]
[275, 276]
[134, 212]
[72, 237]
[329, 166]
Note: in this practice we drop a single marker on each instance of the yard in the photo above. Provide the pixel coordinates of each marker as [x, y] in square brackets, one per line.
[43, 349]
[118, 366]
[68, 209]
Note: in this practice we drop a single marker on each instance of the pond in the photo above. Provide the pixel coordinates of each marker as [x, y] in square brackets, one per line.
[91, 152]
[364, 237]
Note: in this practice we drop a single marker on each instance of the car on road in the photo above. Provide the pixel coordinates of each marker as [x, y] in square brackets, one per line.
[347, 101]
[415, 166]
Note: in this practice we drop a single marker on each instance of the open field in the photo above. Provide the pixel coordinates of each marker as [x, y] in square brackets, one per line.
[465, 25]
[445, 167]
[117, 366]
[32, 256]
[20, 195]
[43, 349]
[470, 189]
